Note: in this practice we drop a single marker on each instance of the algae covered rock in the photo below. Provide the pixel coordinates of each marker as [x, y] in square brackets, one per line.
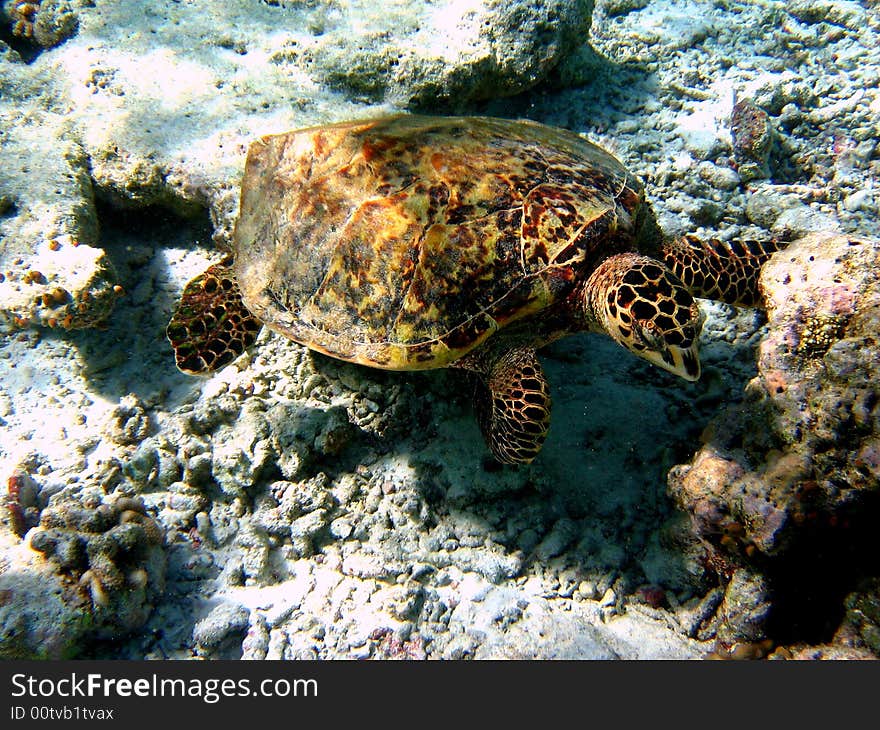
[743, 613]
[802, 452]
[860, 627]
[418, 54]
[52, 269]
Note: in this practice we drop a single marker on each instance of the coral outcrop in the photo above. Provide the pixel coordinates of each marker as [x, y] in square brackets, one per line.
[102, 567]
[45, 23]
[804, 448]
[115, 552]
[793, 472]
[53, 270]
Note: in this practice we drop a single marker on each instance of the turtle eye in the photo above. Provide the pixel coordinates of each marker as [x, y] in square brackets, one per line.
[646, 331]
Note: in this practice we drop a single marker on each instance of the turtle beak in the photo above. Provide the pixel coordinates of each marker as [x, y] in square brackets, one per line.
[687, 362]
[681, 361]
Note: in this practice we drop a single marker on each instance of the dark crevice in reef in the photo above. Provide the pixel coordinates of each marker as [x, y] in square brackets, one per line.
[812, 580]
[28, 49]
[8, 207]
[154, 224]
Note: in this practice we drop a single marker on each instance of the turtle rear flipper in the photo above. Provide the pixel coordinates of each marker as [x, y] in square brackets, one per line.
[211, 326]
[723, 270]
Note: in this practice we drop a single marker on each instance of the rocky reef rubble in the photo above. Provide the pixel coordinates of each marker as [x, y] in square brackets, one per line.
[314, 509]
[312, 512]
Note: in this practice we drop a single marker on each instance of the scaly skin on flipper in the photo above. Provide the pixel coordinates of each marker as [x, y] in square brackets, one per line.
[513, 406]
[211, 326]
[723, 270]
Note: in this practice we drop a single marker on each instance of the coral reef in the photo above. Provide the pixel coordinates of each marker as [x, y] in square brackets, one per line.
[114, 551]
[44, 22]
[802, 450]
[798, 462]
[385, 535]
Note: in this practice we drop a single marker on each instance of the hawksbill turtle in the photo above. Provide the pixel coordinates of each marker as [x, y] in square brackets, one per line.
[413, 242]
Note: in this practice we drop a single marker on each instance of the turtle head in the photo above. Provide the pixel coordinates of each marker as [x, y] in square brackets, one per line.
[646, 308]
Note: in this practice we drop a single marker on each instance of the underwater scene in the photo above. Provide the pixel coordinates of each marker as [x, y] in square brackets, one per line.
[450, 329]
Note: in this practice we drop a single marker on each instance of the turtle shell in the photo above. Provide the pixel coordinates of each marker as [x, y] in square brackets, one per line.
[404, 242]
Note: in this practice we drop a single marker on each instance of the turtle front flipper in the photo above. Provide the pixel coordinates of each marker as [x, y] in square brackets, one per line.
[721, 270]
[513, 406]
[211, 326]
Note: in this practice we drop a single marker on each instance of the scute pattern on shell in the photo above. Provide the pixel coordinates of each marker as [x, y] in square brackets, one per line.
[404, 242]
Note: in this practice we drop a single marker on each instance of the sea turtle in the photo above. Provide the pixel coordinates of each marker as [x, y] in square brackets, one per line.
[413, 242]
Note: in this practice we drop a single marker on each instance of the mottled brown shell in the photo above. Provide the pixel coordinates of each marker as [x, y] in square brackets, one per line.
[405, 242]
